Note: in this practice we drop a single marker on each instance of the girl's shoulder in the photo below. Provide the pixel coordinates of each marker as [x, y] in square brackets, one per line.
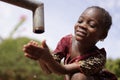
[67, 39]
[69, 36]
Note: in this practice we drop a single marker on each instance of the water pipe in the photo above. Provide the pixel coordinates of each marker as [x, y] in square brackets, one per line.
[37, 7]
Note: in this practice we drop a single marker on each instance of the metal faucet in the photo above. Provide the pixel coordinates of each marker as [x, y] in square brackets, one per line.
[36, 7]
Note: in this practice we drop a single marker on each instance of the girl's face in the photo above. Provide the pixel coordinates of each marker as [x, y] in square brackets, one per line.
[88, 26]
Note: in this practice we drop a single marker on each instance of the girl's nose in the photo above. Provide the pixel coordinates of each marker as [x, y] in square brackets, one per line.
[83, 25]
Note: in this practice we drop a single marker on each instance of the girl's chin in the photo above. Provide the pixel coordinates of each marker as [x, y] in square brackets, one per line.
[79, 38]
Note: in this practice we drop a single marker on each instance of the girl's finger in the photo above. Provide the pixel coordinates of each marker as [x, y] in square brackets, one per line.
[34, 43]
[31, 57]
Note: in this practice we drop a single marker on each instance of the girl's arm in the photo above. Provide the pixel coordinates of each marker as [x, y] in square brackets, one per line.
[57, 68]
[41, 62]
[44, 67]
[44, 54]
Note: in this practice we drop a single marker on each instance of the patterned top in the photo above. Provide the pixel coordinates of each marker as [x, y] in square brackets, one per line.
[91, 63]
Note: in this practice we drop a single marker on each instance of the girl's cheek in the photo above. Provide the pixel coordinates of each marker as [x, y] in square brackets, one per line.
[76, 25]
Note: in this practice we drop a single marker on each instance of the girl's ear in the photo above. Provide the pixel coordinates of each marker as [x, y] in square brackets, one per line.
[103, 36]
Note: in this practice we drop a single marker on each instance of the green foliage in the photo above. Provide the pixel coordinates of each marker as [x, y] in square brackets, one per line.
[114, 66]
[15, 66]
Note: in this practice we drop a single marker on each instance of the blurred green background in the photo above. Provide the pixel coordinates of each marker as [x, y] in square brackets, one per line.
[15, 66]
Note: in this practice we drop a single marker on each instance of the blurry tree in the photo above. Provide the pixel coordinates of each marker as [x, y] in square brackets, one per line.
[15, 66]
[114, 66]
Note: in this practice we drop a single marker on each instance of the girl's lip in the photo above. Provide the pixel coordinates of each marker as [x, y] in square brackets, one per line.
[81, 33]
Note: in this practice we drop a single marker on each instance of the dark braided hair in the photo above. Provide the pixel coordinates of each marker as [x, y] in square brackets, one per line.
[107, 19]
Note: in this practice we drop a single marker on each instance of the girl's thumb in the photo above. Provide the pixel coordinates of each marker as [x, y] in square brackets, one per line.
[44, 45]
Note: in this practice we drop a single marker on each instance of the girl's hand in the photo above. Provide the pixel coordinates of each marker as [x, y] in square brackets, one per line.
[34, 51]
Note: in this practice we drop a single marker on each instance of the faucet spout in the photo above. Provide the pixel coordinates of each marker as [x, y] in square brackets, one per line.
[37, 7]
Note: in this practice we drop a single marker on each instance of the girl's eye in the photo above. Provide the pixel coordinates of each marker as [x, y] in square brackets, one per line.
[92, 24]
[80, 21]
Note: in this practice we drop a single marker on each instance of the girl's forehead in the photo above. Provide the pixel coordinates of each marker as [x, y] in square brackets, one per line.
[93, 13]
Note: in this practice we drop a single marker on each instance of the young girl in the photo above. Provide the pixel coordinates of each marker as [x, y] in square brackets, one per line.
[83, 60]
